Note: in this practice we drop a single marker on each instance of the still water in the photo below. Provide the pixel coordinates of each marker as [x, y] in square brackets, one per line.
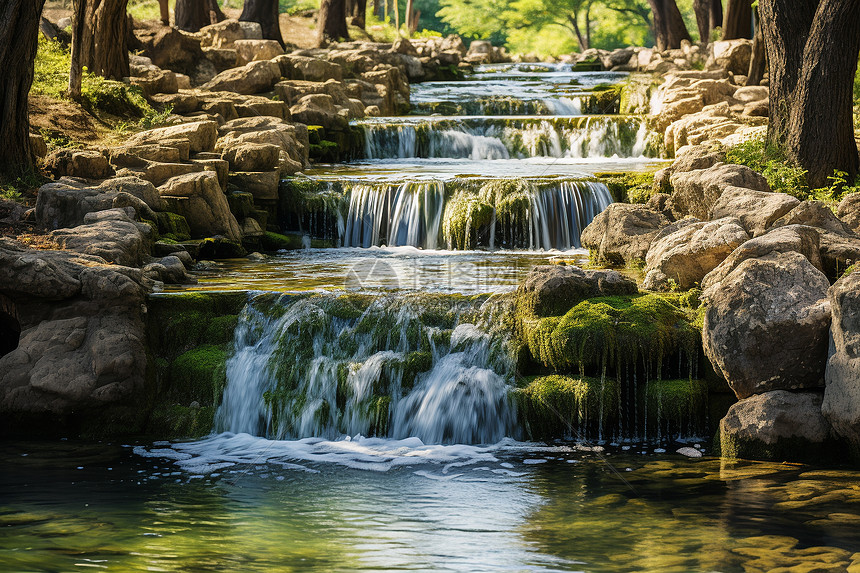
[509, 507]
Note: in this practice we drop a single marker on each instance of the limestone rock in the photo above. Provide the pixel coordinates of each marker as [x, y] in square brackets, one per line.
[733, 55]
[319, 109]
[83, 163]
[253, 78]
[201, 135]
[252, 157]
[111, 235]
[691, 252]
[758, 211]
[842, 376]
[221, 35]
[295, 67]
[292, 139]
[814, 214]
[793, 238]
[169, 270]
[766, 325]
[622, 233]
[255, 50]
[199, 198]
[66, 202]
[696, 192]
[262, 185]
[748, 94]
[552, 290]
[777, 425]
[849, 211]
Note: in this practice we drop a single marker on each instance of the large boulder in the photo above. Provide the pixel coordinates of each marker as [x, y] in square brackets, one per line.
[252, 157]
[253, 78]
[758, 211]
[696, 192]
[112, 235]
[292, 139]
[66, 202]
[842, 376]
[713, 123]
[766, 325]
[199, 198]
[687, 158]
[777, 425]
[552, 290]
[81, 357]
[221, 35]
[682, 258]
[733, 55]
[256, 50]
[791, 239]
[201, 135]
[814, 214]
[849, 211]
[622, 233]
[294, 67]
[83, 163]
[319, 109]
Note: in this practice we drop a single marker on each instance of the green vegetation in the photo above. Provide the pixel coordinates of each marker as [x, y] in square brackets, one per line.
[783, 176]
[628, 187]
[555, 405]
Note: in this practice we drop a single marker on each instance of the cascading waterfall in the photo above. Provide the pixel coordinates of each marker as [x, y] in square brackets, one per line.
[432, 214]
[436, 368]
[489, 138]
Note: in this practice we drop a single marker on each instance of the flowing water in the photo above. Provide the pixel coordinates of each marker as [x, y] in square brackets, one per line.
[368, 420]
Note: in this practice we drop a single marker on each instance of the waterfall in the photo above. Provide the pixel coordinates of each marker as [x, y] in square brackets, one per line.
[560, 212]
[432, 367]
[480, 138]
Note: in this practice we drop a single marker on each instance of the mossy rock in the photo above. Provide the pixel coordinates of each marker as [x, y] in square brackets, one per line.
[199, 375]
[220, 248]
[174, 421]
[172, 226]
[558, 406]
[241, 204]
[677, 407]
[464, 217]
[277, 242]
[179, 322]
[628, 187]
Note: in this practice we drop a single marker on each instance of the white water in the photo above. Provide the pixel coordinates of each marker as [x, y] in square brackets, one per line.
[559, 214]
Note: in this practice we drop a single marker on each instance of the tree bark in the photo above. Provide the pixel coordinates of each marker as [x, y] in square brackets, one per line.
[164, 9]
[102, 38]
[409, 16]
[215, 13]
[702, 10]
[76, 71]
[266, 14]
[331, 24]
[758, 62]
[356, 10]
[19, 37]
[737, 21]
[669, 27]
[191, 15]
[812, 50]
[716, 14]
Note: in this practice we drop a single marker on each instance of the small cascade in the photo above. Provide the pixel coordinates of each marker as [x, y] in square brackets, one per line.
[459, 213]
[437, 368]
[502, 105]
[488, 138]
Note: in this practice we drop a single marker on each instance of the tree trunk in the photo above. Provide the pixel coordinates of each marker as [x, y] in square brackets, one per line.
[758, 61]
[19, 37]
[737, 21]
[716, 12]
[265, 13]
[356, 10]
[811, 113]
[397, 16]
[702, 10]
[191, 15]
[669, 27]
[164, 9]
[409, 15]
[215, 13]
[99, 40]
[331, 24]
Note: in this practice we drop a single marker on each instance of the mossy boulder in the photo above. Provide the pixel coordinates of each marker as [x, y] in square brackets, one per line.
[172, 226]
[552, 290]
[563, 406]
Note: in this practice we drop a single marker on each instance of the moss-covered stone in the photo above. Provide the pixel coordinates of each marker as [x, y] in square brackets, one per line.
[172, 226]
[220, 248]
[628, 187]
[277, 242]
[464, 217]
[199, 375]
[174, 421]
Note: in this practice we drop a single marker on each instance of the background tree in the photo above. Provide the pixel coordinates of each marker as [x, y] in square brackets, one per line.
[758, 60]
[191, 15]
[266, 14]
[331, 22]
[356, 11]
[812, 48]
[737, 21]
[19, 33]
[99, 40]
[669, 26]
[709, 15]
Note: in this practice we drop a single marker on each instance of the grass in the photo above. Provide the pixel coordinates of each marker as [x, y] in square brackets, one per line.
[785, 177]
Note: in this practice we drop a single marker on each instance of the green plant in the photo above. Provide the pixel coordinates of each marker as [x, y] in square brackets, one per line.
[770, 161]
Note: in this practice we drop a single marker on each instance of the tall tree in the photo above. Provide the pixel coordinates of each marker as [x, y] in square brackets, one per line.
[99, 40]
[669, 27]
[812, 48]
[191, 15]
[737, 21]
[331, 22]
[574, 16]
[758, 60]
[709, 15]
[356, 11]
[266, 14]
[19, 33]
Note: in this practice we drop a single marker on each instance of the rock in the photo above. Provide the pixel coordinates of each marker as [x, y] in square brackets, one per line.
[838, 252]
[814, 214]
[198, 197]
[689, 452]
[223, 58]
[733, 55]
[842, 376]
[252, 157]
[156, 81]
[262, 185]
[167, 47]
[252, 30]
[253, 78]
[139, 155]
[404, 46]
[292, 139]
[169, 270]
[622, 233]
[794, 238]
[683, 258]
[696, 192]
[552, 290]
[319, 109]
[306, 68]
[777, 425]
[111, 235]
[758, 211]
[38, 145]
[255, 50]
[713, 123]
[179, 102]
[251, 228]
[201, 135]
[687, 158]
[221, 35]
[759, 108]
[65, 203]
[83, 163]
[849, 211]
[748, 94]
[766, 324]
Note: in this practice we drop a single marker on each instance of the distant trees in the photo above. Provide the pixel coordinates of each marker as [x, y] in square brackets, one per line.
[669, 26]
[266, 14]
[99, 40]
[191, 15]
[812, 48]
[19, 33]
[709, 15]
[356, 11]
[737, 22]
[331, 22]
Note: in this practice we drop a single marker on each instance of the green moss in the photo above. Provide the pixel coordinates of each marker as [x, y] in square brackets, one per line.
[173, 226]
[604, 99]
[174, 421]
[414, 364]
[628, 187]
[277, 242]
[678, 406]
[199, 375]
[220, 248]
[555, 406]
[465, 215]
[784, 450]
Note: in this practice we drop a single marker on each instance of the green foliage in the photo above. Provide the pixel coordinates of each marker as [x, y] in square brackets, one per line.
[145, 9]
[13, 189]
[628, 187]
[556, 405]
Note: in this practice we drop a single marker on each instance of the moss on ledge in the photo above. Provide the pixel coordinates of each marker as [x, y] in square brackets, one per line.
[563, 406]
